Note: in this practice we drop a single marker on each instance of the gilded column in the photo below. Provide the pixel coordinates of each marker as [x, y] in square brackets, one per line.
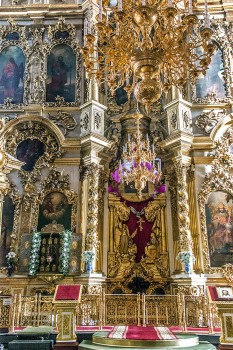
[163, 230]
[185, 244]
[91, 239]
[7, 164]
[172, 180]
[193, 218]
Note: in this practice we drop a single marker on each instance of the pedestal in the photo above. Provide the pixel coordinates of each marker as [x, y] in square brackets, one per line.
[225, 310]
[65, 308]
[223, 298]
[66, 346]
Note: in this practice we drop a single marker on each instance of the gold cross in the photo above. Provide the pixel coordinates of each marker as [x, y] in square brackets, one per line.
[140, 221]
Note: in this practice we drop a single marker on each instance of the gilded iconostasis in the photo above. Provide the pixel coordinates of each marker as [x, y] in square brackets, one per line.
[67, 135]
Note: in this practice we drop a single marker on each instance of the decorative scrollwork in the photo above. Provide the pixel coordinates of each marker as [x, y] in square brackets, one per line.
[206, 121]
[64, 119]
[33, 130]
[57, 181]
[222, 34]
[219, 179]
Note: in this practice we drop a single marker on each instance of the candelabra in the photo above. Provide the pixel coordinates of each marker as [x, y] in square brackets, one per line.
[147, 46]
[140, 164]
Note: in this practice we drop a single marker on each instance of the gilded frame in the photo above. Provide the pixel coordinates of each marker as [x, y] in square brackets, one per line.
[223, 41]
[63, 186]
[33, 129]
[12, 192]
[23, 44]
[74, 44]
[218, 180]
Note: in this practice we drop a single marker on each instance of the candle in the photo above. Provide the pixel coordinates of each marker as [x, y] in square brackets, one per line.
[119, 5]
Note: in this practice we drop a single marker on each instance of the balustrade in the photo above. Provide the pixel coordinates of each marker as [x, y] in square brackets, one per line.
[111, 309]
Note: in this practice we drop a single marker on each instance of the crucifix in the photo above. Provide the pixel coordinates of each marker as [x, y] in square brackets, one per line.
[140, 221]
[138, 216]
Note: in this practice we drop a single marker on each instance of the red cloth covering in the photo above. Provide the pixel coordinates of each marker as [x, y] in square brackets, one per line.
[213, 292]
[196, 330]
[68, 292]
[142, 333]
[142, 237]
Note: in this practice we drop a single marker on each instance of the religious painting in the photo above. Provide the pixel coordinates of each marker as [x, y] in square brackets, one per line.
[12, 65]
[62, 34]
[213, 81]
[121, 96]
[29, 151]
[219, 225]
[12, 36]
[24, 252]
[61, 73]
[55, 209]
[6, 229]
[51, 247]
[75, 254]
[224, 292]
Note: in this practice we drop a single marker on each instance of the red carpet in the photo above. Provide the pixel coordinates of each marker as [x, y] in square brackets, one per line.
[141, 333]
[92, 328]
[195, 329]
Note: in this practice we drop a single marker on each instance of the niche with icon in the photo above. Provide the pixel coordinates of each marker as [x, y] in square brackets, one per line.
[51, 246]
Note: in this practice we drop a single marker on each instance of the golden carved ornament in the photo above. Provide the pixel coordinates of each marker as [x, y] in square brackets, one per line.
[219, 179]
[152, 211]
[185, 241]
[122, 212]
[57, 181]
[222, 35]
[33, 130]
[72, 41]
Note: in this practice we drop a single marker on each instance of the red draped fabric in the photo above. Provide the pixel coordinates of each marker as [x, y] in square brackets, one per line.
[142, 237]
[68, 292]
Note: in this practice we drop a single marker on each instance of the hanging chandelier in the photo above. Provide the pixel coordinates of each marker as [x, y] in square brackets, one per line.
[138, 162]
[147, 46]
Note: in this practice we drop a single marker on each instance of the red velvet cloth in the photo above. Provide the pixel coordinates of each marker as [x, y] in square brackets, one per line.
[68, 292]
[213, 292]
[142, 237]
[141, 333]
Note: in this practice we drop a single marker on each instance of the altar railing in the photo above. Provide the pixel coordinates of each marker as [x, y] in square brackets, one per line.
[111, 309]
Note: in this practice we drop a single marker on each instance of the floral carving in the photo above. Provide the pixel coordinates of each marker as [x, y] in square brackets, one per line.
[33, 130]
[91, 240]
[64, 119]
[206, 121]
